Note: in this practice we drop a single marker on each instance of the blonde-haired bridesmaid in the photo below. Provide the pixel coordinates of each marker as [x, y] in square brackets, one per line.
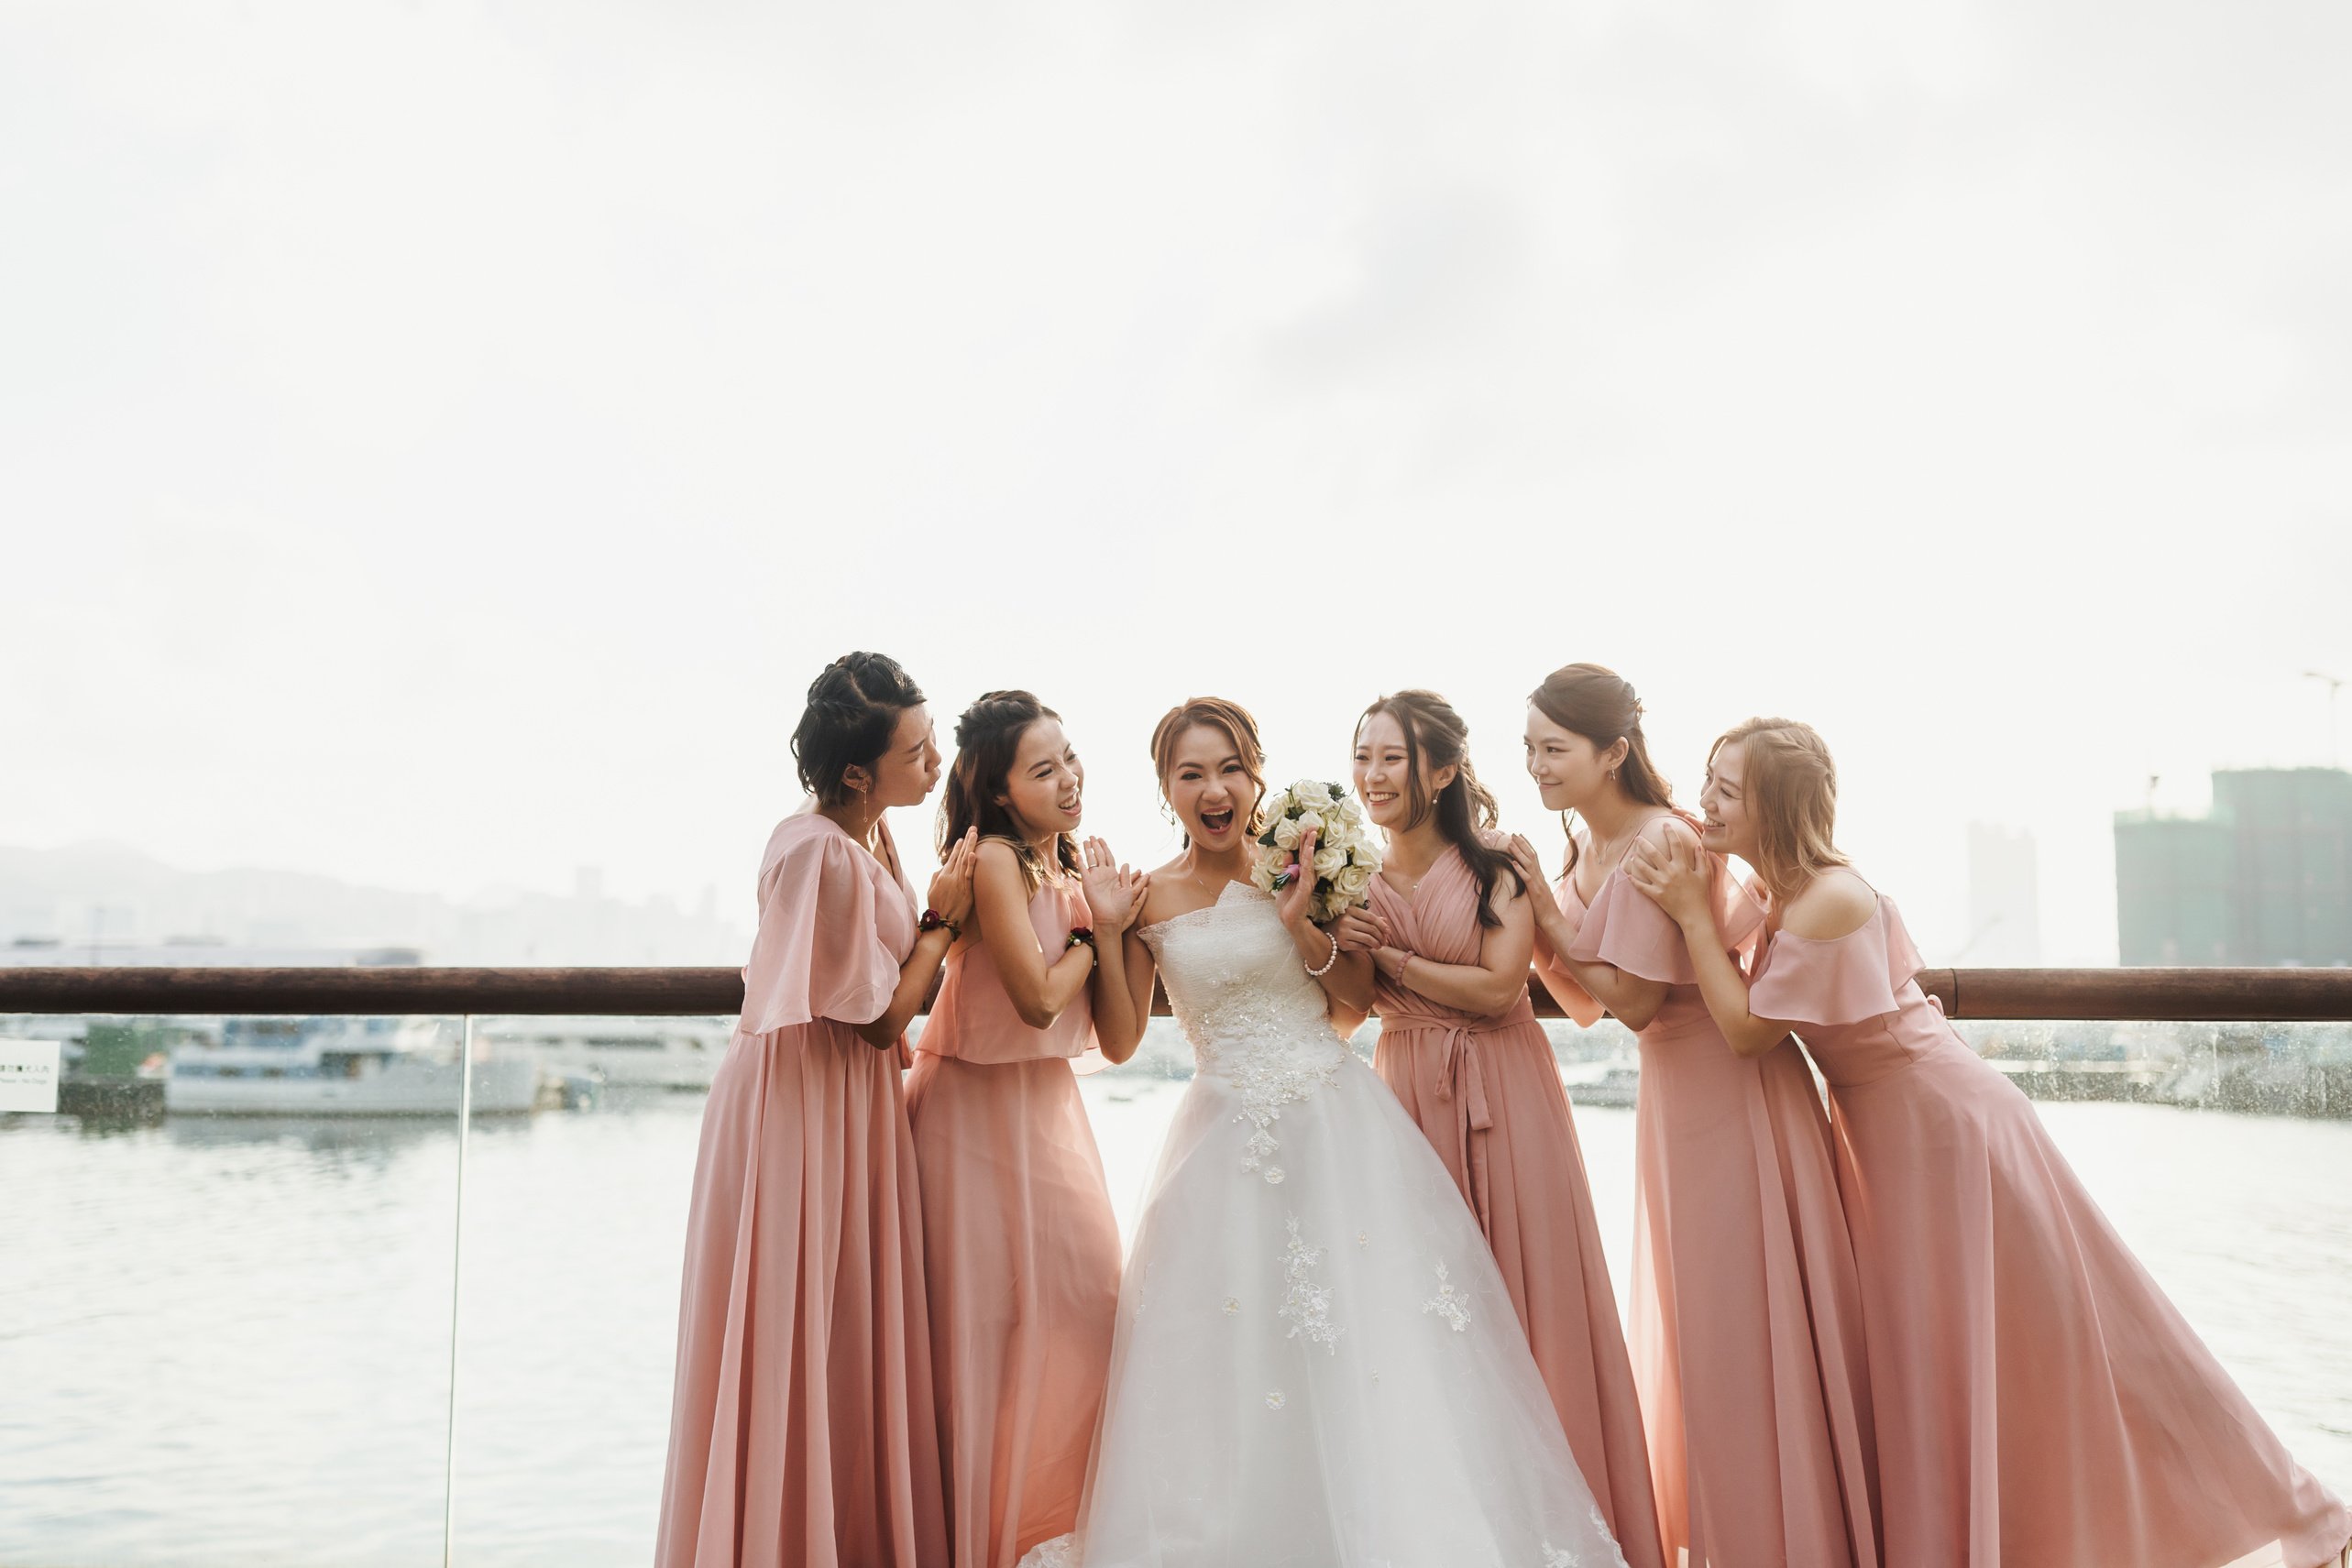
[1452, 934]
[1019, 1239]
[2040, 1403]
[1745, 1320]
[801, 1427]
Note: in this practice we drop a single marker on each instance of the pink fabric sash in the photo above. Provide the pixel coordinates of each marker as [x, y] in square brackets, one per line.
[1463, 1081]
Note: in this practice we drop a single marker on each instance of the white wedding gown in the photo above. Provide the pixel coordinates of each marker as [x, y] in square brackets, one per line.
[1316, 1363]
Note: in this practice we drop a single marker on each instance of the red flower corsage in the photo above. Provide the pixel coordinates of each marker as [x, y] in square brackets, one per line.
[1079, 936]
[933, 920]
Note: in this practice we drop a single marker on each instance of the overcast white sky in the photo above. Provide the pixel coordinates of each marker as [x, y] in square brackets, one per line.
[439, 441]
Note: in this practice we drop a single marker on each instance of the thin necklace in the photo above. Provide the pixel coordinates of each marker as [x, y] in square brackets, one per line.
[1615, 850]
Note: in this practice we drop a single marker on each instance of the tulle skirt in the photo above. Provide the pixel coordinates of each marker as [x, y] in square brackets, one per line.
[1318, 1364]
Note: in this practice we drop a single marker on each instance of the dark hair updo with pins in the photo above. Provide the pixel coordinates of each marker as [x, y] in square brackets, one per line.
[1599, 704]
[1464, 808]
[853, 708]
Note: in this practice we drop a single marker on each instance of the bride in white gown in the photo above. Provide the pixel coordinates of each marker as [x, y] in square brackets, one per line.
[1316, 1363]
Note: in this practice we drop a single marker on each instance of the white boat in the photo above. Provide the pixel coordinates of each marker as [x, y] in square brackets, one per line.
[342, 1066]
[626, 1053]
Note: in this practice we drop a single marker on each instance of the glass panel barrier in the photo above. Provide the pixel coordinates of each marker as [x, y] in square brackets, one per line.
[226, 1291]
[225, 1337]
[568, 1332]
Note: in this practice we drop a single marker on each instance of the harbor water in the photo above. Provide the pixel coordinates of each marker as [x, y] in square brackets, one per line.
[228, 1340]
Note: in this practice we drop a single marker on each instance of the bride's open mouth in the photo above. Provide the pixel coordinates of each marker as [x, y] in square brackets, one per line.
[1217, 821]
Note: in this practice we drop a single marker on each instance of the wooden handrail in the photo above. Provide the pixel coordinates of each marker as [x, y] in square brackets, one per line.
[2188, 995]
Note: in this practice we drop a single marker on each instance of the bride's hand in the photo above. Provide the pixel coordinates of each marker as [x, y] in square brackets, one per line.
[1295, 903]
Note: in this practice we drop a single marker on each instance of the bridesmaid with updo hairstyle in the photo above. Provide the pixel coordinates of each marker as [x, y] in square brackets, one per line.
[1453, 931]
[801, 1427]
[2040, 1403]
[1745, 1320]
[1020, 1243]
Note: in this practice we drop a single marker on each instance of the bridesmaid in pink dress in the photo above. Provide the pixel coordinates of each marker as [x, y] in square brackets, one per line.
[2040, 1403]
[1021, 1248]
[1746, 1322]
[800, 1429]
[1460, 1047]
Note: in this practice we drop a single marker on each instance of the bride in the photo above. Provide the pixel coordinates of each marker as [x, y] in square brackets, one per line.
[1316, 1363]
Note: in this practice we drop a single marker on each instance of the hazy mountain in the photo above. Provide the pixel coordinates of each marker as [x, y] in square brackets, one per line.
[105, 899]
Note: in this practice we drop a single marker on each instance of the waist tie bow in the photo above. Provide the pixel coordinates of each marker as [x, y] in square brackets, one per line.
[1462, 1080]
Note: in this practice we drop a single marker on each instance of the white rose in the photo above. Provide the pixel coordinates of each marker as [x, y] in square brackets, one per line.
[1309, 792]
[1310, 818]
[1261, 876]
[1328, 858]
[1354, 881]
[1286, 833]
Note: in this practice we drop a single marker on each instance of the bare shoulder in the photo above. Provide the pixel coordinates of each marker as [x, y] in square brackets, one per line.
[997, 861]
[1666, 829]
[1836, 903]
[1162, 897]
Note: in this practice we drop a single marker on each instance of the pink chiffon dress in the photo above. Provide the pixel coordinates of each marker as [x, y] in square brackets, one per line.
[1487, 1094]
[1020, 1246]
[800, 1429]
[1745, 1321]
[2038, 1402]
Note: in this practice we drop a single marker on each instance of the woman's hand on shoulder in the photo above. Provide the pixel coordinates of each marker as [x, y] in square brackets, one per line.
[1665, 862]
[1836, 903]
[1530, 867]
[950, 890]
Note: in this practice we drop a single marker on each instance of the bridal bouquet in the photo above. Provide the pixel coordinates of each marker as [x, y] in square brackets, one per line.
[1346, 858]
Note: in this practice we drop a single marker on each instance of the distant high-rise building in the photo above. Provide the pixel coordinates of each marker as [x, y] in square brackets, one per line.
[2004, 897]
[2264, 878]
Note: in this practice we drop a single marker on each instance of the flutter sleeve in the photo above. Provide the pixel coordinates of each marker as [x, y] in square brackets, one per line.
[820, 952]
[1574, 999]
[1844, 980]
[1625, 928]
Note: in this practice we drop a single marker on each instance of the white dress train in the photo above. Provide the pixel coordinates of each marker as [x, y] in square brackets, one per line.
[1317, 1365]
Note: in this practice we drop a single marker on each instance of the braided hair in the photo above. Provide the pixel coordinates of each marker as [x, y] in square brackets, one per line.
[853, 708]
[987, 738]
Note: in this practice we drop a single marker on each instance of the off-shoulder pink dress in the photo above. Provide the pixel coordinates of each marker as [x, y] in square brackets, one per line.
[1487, 1092]
[1021, 1246]
[1746, 1321]
[800, 1429]
[2040, 1403]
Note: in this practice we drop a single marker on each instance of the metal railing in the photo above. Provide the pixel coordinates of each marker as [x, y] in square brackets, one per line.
[2183, 995]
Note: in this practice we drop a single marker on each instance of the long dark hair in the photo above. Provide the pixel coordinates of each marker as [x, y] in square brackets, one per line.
[986, 738]
[1600, 704]
[853, 708]
[1464, 808]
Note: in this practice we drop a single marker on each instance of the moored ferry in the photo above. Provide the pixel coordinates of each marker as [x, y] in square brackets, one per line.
[342, 1067]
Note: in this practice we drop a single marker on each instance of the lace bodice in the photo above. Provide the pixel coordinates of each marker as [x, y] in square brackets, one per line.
[1258, 1021]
